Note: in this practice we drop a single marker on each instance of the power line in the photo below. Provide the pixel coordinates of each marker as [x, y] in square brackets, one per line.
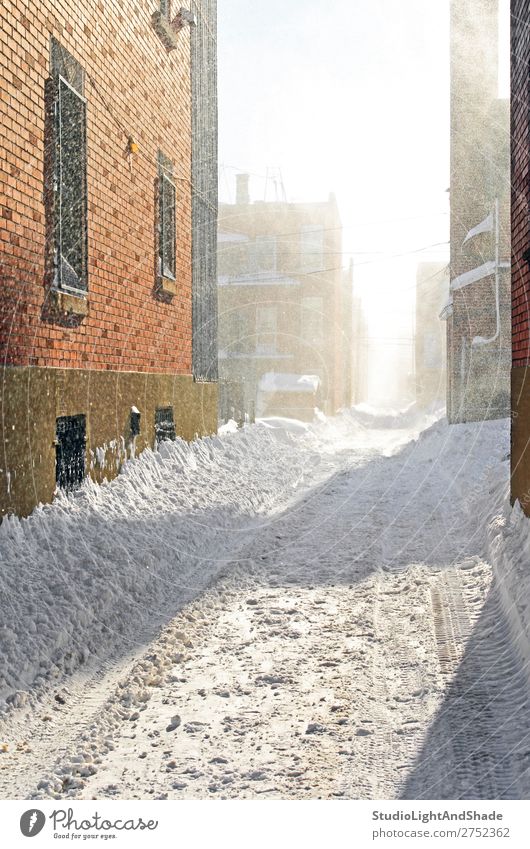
[296, 273]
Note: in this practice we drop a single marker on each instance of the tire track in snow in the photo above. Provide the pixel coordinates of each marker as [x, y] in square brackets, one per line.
[311, 672]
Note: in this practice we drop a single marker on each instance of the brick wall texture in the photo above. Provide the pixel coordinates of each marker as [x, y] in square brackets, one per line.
[478, 377]
[134, 87]
[520, 53]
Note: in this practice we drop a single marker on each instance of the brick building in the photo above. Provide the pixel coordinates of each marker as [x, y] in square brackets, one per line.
[520, 154]
[360, 343]
[478, 320]
[285, 308]
[108, 301]
[432, 286]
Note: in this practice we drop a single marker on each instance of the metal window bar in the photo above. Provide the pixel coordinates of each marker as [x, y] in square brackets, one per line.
[71, 223]
[70, 450]
[168, 226]
[164, 425]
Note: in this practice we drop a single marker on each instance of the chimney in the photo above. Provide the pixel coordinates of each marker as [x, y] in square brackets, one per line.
[242, 195]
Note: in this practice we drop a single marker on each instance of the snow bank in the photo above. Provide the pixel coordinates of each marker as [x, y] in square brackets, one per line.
[231, 426]
[509, 551]
[100, 569]
[98, 572]
[389, 417]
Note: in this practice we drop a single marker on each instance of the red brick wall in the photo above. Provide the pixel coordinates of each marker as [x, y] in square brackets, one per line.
[520, 53]
[147, 95]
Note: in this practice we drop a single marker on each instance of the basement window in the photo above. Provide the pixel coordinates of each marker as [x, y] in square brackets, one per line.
[70, 450]
[135, 421]
[164, 425]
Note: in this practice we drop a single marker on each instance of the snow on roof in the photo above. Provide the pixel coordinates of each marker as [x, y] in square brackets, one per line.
[274, 382]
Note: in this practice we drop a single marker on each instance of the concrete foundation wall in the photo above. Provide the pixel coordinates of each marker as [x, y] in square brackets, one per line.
[520, 172]
[520, 438]
[32, 398]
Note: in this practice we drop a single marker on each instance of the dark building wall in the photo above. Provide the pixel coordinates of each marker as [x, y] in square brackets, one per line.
[520, 153]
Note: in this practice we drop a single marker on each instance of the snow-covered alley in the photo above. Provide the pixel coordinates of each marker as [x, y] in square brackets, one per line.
[195, 629]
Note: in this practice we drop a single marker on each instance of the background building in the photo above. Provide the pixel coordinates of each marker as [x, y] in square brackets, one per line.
[432, 287]
[478, 327]
[360, 350]
[108, 329]
[285, 308]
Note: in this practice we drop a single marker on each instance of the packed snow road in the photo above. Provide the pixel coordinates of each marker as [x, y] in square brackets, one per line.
[335, 629]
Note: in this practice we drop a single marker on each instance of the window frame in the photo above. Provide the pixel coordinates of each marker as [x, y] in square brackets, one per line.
[70, 451]
[59, 224]
[165, 430]
[166, 273]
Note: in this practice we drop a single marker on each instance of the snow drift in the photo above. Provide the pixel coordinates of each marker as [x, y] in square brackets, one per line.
[99, 572]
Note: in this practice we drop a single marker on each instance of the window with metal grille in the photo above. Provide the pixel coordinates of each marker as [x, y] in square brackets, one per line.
[167, 202]
[70, 449]
[135, 421]
[70, 189]
[164, 425]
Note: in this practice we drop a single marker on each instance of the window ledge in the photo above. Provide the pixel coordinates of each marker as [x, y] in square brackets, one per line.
[68, 303]
[167, 285]
[165, 31]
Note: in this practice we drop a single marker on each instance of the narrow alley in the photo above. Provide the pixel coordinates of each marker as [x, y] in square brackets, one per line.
[356, 646]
